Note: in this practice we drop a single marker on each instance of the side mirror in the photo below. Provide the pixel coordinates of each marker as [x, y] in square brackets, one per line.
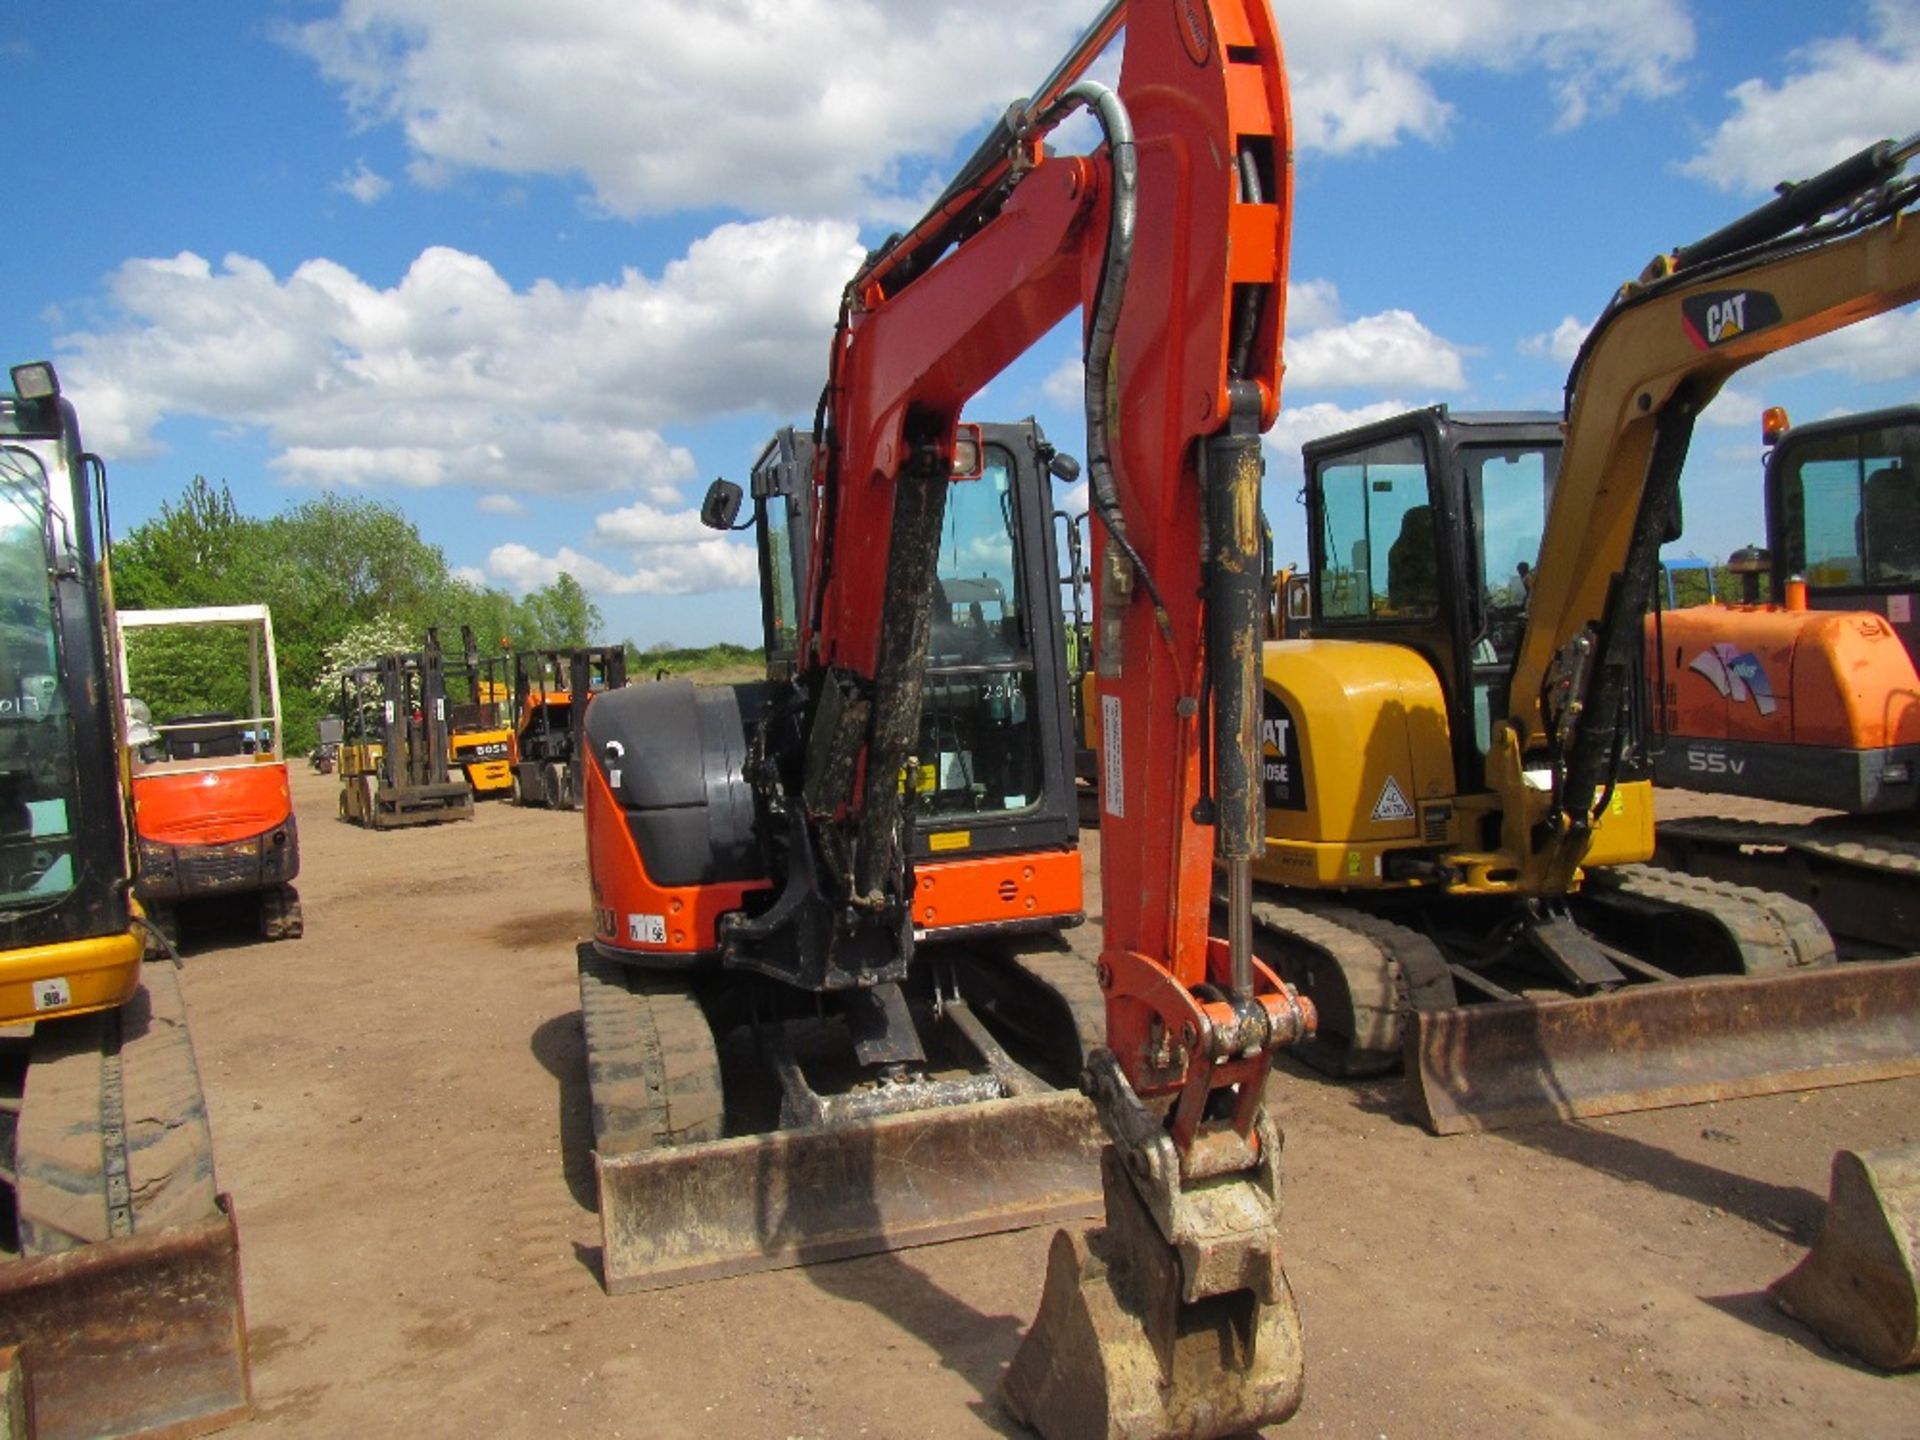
[1299, 598]
[722, 505]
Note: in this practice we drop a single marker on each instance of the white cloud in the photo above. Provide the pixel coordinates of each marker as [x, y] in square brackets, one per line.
[657, 105]
[500, 505]
[1391, 349]
[1886, 347]
[1844, 93]
[363, 185]
[1362, 72]
[808, 106]
[1300, 423]
[453, 377]
[663, 569]
[1561, 343]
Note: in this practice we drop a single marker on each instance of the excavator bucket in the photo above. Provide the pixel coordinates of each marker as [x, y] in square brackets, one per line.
[136, 1336]
[1117, 1353]
[1856, 1288]
[1493, 1066]
[672, 1216]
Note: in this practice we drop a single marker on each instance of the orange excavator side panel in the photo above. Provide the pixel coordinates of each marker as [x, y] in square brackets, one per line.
[996, 889]
[1788, 677]
[211, 807]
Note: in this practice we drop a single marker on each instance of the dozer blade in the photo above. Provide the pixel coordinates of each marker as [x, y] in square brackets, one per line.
[1856, 1287]
[137, 1336]
[1488, 1067]
[675, 1215]
[1115, 1353]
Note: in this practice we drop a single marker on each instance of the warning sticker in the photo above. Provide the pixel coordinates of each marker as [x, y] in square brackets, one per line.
[1392, 804]
[1113, 784]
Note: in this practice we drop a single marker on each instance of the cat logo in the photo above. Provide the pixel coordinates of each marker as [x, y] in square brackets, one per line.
[1722, 316]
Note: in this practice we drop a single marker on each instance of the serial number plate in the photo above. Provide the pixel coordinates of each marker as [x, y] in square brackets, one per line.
[53, 994]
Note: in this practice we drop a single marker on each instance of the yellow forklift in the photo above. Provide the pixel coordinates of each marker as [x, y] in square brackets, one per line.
[479, 718]
[393, 759]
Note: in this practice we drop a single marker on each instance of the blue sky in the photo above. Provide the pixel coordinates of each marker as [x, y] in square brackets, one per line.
[538, 273]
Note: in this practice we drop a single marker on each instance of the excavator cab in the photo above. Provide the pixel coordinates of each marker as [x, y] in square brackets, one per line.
[1462, 501]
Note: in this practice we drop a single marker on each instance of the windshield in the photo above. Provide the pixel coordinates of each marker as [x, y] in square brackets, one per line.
[979, 727]
[1380, 557]
[38, 798]
[1851, 511]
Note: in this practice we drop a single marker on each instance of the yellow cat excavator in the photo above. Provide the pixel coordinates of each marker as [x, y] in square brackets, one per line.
[1457, 792]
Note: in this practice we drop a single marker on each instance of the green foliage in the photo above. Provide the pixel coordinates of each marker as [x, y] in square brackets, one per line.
[189, 672]
[333, 571]
[713, 664]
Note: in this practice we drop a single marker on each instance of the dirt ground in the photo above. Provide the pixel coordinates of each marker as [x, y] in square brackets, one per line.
[399, 1108]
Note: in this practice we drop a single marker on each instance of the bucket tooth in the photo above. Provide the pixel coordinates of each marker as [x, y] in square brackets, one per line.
[1856, 1287]
[1116, 1353]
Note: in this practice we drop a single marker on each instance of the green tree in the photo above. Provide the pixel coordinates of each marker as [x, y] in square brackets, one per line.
[558, 615]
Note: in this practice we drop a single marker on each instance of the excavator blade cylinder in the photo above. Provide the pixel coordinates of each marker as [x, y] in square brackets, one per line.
[1856, 1287]
[1489, 1067]
[672, 1216]
[137, 1336]
[1114, 1354]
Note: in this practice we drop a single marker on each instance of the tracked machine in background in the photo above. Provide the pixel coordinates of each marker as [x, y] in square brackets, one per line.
[995, 849]
[212, 805]
[551, 693]
[762, 840]
[1813, 699]
[119, 1259]
[393, 755]
[1458, 798]
[480, 718]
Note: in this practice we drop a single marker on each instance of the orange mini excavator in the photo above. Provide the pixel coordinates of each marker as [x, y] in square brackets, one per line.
[212, 808]
[1813, 699]
[752, 848]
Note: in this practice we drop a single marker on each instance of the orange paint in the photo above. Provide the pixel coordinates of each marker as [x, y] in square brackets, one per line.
[210, 807]
[996, 889]
[1831, 678]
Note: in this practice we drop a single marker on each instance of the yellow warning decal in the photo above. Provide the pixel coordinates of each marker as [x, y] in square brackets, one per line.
[950, 840]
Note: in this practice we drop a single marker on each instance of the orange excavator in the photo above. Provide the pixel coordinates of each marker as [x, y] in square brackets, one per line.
[212, 806]
[759, 841]
[1812, 699]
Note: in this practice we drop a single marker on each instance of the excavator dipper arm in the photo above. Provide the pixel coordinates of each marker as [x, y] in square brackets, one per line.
[1171, 239]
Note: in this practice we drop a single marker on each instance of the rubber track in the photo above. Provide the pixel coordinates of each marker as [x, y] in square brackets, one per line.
[65, 1193]
[280, 915]
[1069, 975]
[1772, 933]
[1860, 846]
[1388, 971]
[653, 1069]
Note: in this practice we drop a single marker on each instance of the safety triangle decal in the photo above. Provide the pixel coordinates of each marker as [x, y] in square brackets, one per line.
[1392, 804]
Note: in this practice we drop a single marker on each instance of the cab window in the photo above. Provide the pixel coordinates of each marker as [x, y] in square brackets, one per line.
[1379, 542]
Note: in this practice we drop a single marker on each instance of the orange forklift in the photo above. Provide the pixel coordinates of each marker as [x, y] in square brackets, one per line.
[551, 691]
[212, 808]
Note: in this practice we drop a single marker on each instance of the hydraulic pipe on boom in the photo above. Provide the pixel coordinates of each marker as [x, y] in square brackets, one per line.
[1171, 239]
[1176, 1318]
